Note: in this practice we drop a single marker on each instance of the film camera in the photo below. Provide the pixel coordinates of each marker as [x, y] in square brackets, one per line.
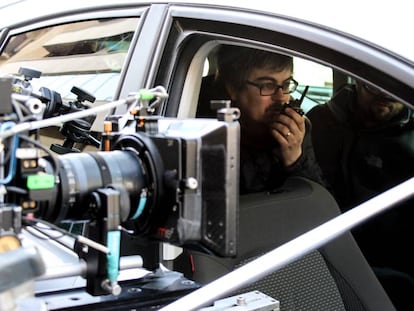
[157, 179]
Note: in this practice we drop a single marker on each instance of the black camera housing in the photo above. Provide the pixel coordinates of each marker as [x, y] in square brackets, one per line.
[195, 164]
[177, 181]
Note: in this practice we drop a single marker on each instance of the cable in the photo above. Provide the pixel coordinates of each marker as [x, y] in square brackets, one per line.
[18, 107]
[94, 141]
[14, 144]
[40, 146]
[17, 190]
[141, 204]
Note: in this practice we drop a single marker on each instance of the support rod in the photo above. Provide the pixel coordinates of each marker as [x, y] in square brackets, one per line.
[292, 250]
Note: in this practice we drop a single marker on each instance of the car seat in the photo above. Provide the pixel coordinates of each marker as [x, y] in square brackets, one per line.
[334, 277]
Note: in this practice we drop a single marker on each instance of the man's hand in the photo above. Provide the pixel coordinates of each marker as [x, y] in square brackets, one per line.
[288, 128]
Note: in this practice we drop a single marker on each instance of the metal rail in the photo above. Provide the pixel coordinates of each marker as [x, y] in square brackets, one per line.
[292, 250]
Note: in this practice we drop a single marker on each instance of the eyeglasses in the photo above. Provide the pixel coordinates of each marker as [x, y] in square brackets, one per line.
[271, 88]
[377, 93]
[372, 90]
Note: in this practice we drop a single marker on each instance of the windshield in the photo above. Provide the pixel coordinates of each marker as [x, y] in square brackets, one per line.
[88, 55]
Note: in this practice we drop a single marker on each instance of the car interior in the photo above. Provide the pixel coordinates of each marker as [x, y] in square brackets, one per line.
[335, 276]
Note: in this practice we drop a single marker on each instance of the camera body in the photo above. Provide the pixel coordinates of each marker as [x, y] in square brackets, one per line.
[177, 182]
[152, 179]
[195, 168]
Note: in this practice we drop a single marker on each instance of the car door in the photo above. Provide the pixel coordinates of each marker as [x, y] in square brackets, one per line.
[197, 31]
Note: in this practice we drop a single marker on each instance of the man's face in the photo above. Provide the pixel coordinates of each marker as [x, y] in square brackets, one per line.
[251, 103]
[376, 106]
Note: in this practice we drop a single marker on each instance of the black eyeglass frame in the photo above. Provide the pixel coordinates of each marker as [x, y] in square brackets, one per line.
[277, 87]
[372, 90]
[377, 93]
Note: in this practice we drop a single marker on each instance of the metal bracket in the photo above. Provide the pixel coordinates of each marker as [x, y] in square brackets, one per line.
[250, 301]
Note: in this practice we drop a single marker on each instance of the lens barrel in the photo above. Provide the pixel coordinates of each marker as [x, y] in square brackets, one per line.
[82, 173]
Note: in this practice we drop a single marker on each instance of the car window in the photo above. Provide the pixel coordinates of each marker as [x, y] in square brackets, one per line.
[318, 78]
[87, 54]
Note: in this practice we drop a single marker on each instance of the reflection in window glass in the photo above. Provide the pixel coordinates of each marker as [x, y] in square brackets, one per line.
[88, 55]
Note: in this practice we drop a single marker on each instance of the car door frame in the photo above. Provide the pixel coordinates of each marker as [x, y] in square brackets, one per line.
[195, 30]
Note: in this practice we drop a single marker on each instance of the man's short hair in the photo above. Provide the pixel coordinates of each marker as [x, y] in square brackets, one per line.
[236, 62]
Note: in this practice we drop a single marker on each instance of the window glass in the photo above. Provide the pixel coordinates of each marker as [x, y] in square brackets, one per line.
[319, 78]
[88, 55]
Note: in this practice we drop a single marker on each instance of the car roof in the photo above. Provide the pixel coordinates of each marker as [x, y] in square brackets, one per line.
[382, 23]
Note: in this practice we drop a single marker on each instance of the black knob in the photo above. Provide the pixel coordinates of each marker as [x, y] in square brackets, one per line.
[29, 73]
[82, 94]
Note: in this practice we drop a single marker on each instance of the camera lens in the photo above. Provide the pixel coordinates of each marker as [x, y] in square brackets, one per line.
[82, 173]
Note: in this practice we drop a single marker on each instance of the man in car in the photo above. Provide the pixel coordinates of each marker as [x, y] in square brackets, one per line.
[364, 143]
[275, 142]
